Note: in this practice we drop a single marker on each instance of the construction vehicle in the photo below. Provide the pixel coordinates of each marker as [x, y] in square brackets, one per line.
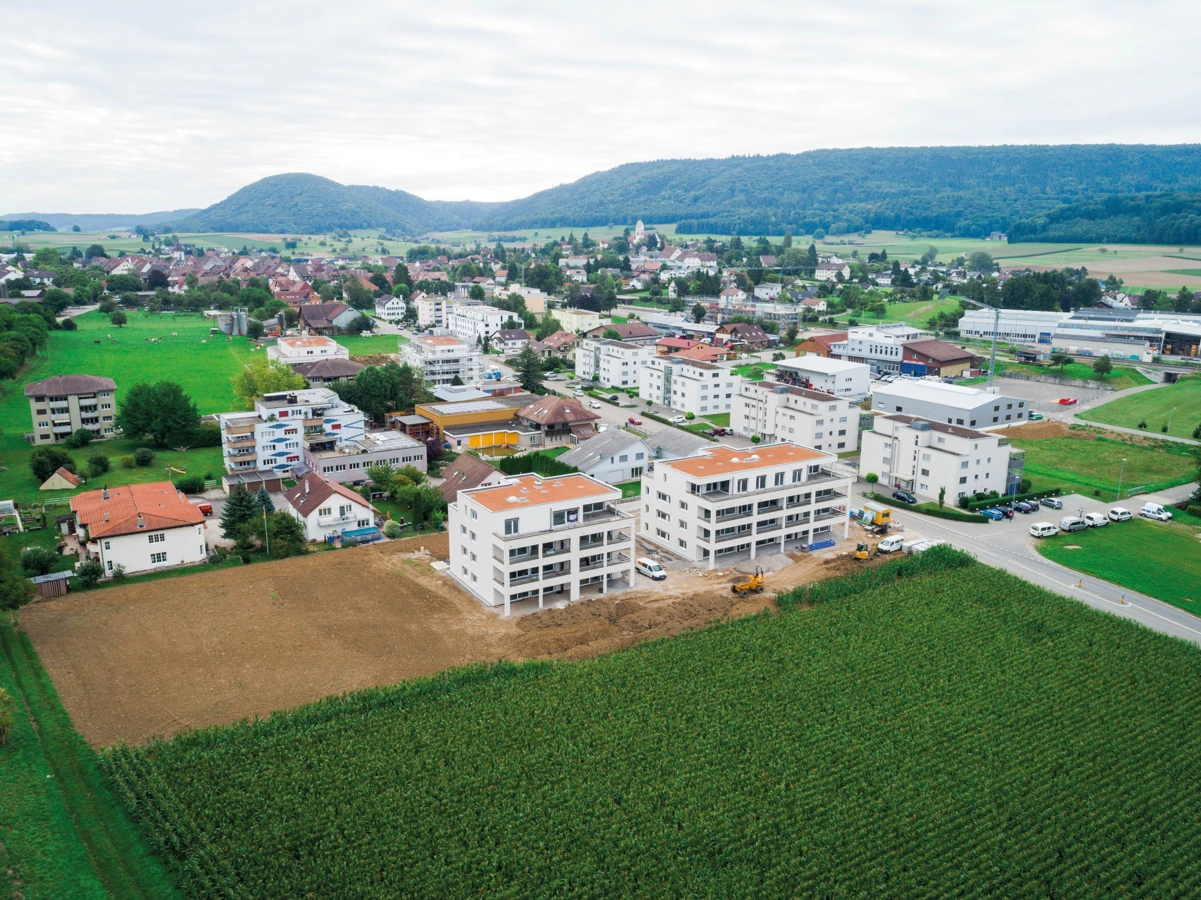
[875, 517]
[865, 551]
[752, 583]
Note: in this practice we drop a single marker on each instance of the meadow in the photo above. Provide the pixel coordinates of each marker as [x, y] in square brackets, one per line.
[903, 737]
[1089, 461]
[1180, 401]
[1119, 379]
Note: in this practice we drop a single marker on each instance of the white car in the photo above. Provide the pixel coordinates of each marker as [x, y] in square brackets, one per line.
[579, 393]
[594, 404]
[1120, 514]
[651, 569]
[1095, 520]
[1155, 511]
[890, 544]
[678, 420]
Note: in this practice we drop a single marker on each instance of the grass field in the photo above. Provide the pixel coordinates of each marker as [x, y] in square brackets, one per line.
[362, 242]
[1090, 460]
[1121, 378]
[1182, 401]
[755, 371]
[902, 738]
[371, 344]
[915, 314]
[1156, 558]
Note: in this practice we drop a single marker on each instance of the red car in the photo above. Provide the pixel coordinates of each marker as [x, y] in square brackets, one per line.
[1066, 401]
[634, 420]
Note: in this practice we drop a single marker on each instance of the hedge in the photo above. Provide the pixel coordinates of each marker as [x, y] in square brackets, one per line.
[929, 509]
[537, 462]
[1009, 498]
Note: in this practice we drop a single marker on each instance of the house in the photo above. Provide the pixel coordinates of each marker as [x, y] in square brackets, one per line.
[348, 461]
[829, 271]
[327, 318]
[63, 404]
[442, 358]
[689, 385]
[814, 304]
[431, 310]
[950, 403]
[669, 345]
[769, 291]
[725, 504]
[389, 308]
[627, 332]
[747, 337]
[561, 344]
[820, 344]
[297, 350]
[328, 371]
[829, 376]
[785, 412]
[768, 262]
[139, 527]
[61, 480]
[703, 352]
[540, 540]
[578, 320]
[613, 456]
[933, 357]
[510, 341]
[558, 420]
[883, 279]
[469, 472]
[732, 296]
[611, 363]
[326, 508]
[674, 443]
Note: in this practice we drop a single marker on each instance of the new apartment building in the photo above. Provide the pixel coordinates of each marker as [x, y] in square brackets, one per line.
[284, 427]
[925, 457]
[63, 404]
[950, 403]
[307, 348]
[689, 385]
[611, 363]
[828, 375]
[540, 539]
[785, 412]
[442, 358]
[471, 324]
[724, 504]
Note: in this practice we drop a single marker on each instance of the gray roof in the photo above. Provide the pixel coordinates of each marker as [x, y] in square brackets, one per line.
[590, 452]
[69, 384]
[673, 443]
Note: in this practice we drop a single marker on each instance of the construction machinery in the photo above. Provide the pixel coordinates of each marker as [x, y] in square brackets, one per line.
[865, 551]
[751, 583]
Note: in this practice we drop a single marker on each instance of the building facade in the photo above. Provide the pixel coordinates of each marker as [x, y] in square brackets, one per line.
[431, 311]
[325, 508]
[63, 404]
[691, 386]
[949, 403]
[782, 412]
[284, 427]
[298, 350]
[472, 324]
[442, 358]
[611, 363]
[349, 461]
[830, 376]
[878, 346]
[139, 527]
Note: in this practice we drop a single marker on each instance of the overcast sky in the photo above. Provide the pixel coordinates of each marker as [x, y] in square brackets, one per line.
[136, 107]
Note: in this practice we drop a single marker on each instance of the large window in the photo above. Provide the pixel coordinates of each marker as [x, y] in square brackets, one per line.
[511, 526]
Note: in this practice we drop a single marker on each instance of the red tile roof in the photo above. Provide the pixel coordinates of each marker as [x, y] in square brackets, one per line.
[134, 508]
[312, 490]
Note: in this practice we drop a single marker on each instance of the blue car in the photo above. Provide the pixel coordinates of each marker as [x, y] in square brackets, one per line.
[995, 514]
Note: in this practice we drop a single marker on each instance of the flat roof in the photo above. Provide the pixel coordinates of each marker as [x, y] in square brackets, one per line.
[535, 490]
[307, 341]
[439, 340]
[492, 404]
[717, 461]
[823, 364]
[937, 392]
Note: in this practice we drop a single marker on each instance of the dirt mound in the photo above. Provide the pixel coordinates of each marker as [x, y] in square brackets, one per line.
[1044, 429]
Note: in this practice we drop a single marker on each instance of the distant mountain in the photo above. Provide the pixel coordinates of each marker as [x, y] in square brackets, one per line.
[104, 221]
[1167, 218]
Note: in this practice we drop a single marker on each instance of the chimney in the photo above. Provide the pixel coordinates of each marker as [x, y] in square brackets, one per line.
[141, 524]
[306, 487]
[104, 493]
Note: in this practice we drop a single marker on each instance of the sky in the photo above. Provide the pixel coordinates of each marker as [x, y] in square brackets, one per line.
[135, 107]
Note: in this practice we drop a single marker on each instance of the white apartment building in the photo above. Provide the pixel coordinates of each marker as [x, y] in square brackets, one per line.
[831, 376]
[442, 357]
[284, 426]
[785, 412]
[535, 300]
[950, 403]
[577, 320]
[540, 539]
[879, 346]
[389, 308]
[724, 505]
[689, 385]
[431, 311]
[611, 363]
[309, 348]
[470, 324]
[923, 457]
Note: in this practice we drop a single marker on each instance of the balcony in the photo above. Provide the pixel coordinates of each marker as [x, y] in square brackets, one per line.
[828, 514]
[802, 500]
[327, 521]
[617, 537]
[556, 571]
[732, 536]
[243, 451]
[617, 559]
[244, 438]
[525, 578]
[739, 514]
[601, 515]
[766, 506]
[245, 428]
[556, 548]
[308, 423]
[592, 562]
[593, 540]
[765, 527]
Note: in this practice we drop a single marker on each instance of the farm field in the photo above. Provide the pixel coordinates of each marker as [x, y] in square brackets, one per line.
[915, 314]
[979, 748]
[1156, 558]
[1089, 460]
[362, 242]
[1154, 407]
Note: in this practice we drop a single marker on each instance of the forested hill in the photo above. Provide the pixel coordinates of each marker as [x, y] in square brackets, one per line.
[1168, 218]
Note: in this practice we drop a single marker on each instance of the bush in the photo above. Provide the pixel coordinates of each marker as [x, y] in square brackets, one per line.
[190, 484]
[98, 464]
[689, 416]
[392, 530]
[118, 573]
[871, 478]
[80, 437]
[38, 560]
[143, 456]
[207, 434]
[755, 439]
[127, 462]
[45, 460]
[90, 573]
[68, 325]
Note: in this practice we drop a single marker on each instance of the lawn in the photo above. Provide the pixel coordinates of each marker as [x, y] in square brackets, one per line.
[903, 738]
[1121, 378]
[363, 241]
[1154, 408]
[915, 314]
[630, 488]
[1157, 558]
[1090, 461]
[754, 371]
[47, 537]
[371, 344]
[721, 420]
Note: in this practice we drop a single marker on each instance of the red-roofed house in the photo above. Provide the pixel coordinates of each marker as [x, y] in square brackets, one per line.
[139, 527]
[327, 508]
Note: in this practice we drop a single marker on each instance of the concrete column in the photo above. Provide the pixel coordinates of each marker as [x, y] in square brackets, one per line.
[506, 604]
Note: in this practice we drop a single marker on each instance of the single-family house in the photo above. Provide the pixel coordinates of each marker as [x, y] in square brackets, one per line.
[326, 508]
[389, 308]
[327, 318]
[613, 456]
[139, 527]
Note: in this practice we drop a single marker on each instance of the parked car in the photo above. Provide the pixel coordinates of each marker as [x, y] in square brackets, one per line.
[1006, 510]
[613, 398]
[890, 544]
[1155, 511]
[1072, 523]
[206, 509]
[1051, 502]
[1095, 520]
[1066, 401]
[995, 514]
[634, 420]
[1026, 506]
[579, 393]
[722, 432]
[651, 569]
[1034, 417]
[904, 497]
[594, 404]
[678, 420]
[1120, 514]
[1043, 529]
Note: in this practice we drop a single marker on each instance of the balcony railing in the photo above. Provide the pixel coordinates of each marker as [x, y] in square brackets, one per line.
[732, 536]
[247, 428]
[616, 559]
[595, 563]
[828, 514]
[523, 579]
[617, 537]
[247, 438]
[325, 521]
[769, 526]
[555, 550]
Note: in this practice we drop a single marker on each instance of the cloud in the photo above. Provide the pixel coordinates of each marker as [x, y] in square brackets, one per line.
[111, 107]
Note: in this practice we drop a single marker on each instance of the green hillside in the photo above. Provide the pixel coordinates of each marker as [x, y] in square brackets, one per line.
[1163, 218]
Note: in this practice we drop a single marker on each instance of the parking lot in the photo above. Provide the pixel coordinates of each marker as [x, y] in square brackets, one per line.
[1043, 397]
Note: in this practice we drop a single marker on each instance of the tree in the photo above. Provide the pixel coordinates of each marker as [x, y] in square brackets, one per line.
[98, 464]
[548, 326]
[38, 560]
[380, 475]
[118, 318]
[7, 708]
[286, 535]
[46, 459]
[264, 376]
[942, 491]
[95, 250]
[980, 261]
[611, 334]
[240, 508]
[163, 411]
[1103, 366]
[529, 370]
[263, 500]
[476, 292]
[871, 478]
[15, 588]
[1060, 360]
[78, 438]
[143, 456]
[254, 329]
[90, 573]
[698, 313]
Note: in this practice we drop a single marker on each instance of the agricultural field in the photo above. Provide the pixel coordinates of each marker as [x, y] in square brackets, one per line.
[362, 242]
[1157, 558]
[968, 722]
[915, 314]
[1181, 401]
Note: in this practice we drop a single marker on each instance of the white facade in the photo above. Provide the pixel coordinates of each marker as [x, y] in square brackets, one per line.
[431, 311]
[780, 412]
[1016, 325]
[389, 308]
[923, 457]
[879, 346]
[540, 539]
[471, 323]
[284, 426]
[336, 513]
[724, 504]
[139, 528]
[612, 456]
[830, 271]
[577, 320]
[949, 403]
[349, 461]
[180, 546]
[612, 363]
[830, 376]
[442, 357]
[691, 386]
[296, 350]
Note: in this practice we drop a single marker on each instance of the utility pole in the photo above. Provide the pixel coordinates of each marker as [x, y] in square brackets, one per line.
[1121, 472]
[266, 534]
[996, 327]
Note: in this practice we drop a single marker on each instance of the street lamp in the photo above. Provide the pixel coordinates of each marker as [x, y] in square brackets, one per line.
[1173, 409]
[1121, 472]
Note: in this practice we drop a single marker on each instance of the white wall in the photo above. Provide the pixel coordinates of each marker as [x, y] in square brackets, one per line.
[137, 552]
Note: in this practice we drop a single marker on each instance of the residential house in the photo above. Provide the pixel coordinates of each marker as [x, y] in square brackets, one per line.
[327, 509]
[63, 404]
[474, 324]
[578, 320]
[750, 338]
[328, 371]
[768, 291]
[674, 443]
[327, 318]
[785, 412]
[689, 385]
[139, 527]
[932, 357]
[431, 310]
[820, 344]
[561, 344]
[61, 479]
[829, 271]
[510, 341]
[611, 363]
[469, 472]
[613, 456]
[389, 308]
[732, 296]
[813, 305]
[558, 420]
[627, 332]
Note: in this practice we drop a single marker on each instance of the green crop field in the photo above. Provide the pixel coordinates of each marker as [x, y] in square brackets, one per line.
[1157, 558]
[362, 242]
[1091, 460]
[371, 344]
[1119, 379]
[902, 738]
[1182, 401]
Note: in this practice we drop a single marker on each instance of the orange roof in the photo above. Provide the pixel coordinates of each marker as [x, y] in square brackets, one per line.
[703, 353]
[534, 490]
[728, 460]
[307, 341]
[438, 340]
[157, 505]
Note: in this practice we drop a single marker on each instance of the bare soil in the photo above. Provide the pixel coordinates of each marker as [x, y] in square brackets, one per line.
[138, 661]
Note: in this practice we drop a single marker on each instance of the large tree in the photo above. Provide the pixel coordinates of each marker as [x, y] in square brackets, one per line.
[45, 460]
[162, 411]
[240, 508]
[263, 376]
[379, 390]
[529, 370]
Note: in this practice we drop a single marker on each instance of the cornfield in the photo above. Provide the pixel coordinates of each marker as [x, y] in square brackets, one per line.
[947, 732]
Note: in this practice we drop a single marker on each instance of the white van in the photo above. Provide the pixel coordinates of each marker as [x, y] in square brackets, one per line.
[890, 544]
[650, 568]
[1155, 511]
[1043, 529]
[1072, 523]
[1120, 514]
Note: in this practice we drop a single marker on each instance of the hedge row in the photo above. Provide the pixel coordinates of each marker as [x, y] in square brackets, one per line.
[538, 462]
[1010, 498]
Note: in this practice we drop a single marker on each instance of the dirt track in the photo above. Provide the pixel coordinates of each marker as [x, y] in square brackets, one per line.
[152, 659]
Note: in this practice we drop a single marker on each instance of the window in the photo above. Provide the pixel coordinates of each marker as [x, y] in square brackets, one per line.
[683, 524]
[662, 515]
[779, 479]
[683, 505]
[474, 514]
[108, 546]
[760, 482]
[156, 558]
[473, 535]
[324, 511]
[742, 483]
[462, 529]
[511, 526]
[963, 480]
[663, 498]
[157, 538]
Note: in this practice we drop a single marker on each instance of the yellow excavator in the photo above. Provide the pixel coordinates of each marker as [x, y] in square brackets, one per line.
[751, 583]
[865, 551]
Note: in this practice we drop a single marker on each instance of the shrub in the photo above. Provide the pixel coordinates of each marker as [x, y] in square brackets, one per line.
[143, 456]
[190, 484]
[689, 416]
[392, 530]
[98, 464]
[118, 573]
[45, 460]
[68, 325]
[127, 462]
[755, 439]
[6, 711]
[90, 573]
[871, 478]
[207, 434]
[80, 437]
[38, 560]
[1142, 424]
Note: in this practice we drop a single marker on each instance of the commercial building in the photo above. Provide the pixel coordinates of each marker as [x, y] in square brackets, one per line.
[926, 457]
[830, 376]
[349, 461]
[308, 348]
[1130, 334]
[139, 527]
[723, 504]
[63, 404]
[540, 539]
[950, 403]
[689, 385]
[479, 424]
[442, 358]
[611, 363]
[785, 412]
[471, 324]
[931, 357]
[878, 346]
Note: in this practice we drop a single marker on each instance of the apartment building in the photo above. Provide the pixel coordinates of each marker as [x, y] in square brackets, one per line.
[63, 404]
[577, 320]
[611, 363]
[879, 346]
[690, 385]
[784, 412]
[309, 348]
[284, 427]
[723, 504]
[348, 462]
[470, 324]
[925, 457]
[431, 311]
[541, 539]
[950, 403]
[830, 376]
[442, 358]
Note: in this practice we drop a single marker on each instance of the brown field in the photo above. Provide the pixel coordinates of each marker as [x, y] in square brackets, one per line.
[136, 661]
